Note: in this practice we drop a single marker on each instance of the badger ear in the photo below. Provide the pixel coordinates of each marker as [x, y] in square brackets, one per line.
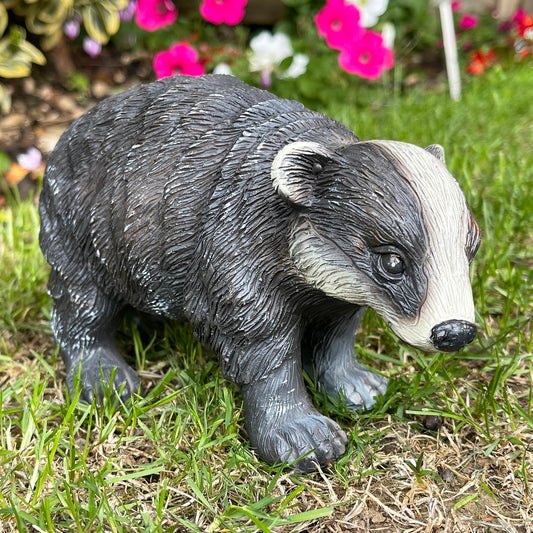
[437, 150]
[294, 169]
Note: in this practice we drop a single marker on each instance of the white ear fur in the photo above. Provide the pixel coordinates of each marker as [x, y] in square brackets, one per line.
[437, 150]
[292, 171]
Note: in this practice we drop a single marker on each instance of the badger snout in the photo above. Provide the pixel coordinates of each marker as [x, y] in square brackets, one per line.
[451, 335]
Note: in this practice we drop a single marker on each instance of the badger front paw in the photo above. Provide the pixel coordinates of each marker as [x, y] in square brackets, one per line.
[355, 384]
[100, 368]
[302, 439]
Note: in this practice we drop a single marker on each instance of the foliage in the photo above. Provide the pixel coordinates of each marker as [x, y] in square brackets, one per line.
[45, 19]
[214, 33]
[16, 56]
[485, 41]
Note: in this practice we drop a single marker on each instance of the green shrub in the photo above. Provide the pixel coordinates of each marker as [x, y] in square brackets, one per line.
[45, 19]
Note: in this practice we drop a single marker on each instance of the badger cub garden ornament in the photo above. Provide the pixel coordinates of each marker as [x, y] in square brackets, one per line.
[271, 228]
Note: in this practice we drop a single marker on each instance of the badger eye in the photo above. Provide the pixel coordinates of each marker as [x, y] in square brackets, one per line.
[389, 265]
[392, 263]
[317, 168]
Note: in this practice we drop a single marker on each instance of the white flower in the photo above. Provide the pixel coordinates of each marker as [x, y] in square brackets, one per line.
[297, 67]
[388, 32]
[269, 50]
[222, 68]
[370, 10]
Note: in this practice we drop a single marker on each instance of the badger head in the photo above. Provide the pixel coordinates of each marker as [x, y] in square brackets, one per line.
[384, 224]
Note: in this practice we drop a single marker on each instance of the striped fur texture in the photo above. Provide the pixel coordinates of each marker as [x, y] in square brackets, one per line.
[271, 228]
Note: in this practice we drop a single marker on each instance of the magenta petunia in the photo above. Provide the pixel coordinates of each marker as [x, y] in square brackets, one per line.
[468, 21]
[230, 12]
[338, 22]
[367, 56]
[180, 58]
[154, 14]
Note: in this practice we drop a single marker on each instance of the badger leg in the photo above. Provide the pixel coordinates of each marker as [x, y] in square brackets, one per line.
[282, 423]
[329, 356]
[83, 322]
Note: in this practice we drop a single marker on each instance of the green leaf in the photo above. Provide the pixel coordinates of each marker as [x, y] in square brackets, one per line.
[101, 21]
[4, 158]
[49, 40]
[464, 501]
[3, 19]
[109, 16]
[118, 4]
[36, 24]
[53, 12]
[31, 52]
[94, 24]
[251, 515]
[15, 68]
[304, 516]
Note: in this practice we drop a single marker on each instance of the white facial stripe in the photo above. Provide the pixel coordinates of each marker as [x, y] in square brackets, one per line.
[444, 211]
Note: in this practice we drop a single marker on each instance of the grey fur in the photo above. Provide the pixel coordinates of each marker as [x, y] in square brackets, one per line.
[167, 198]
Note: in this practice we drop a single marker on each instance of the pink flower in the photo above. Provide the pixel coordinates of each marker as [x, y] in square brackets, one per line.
[218, 11]
[128, 12]
[338, 22]
[91, 47]
[468, 21]
[31, 160]
[519, 15]
[523, 24]
[367, 56]
[180, 58]
[154, 14]
[456, 6]
[71, 28]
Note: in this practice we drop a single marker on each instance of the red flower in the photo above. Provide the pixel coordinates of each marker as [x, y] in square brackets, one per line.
[338, 22]
[180, 58]
[218, 11]
[154, 14]
[479, 61]
[367, 56]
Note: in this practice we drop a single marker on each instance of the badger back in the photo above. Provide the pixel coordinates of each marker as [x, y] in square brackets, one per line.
[135, 179]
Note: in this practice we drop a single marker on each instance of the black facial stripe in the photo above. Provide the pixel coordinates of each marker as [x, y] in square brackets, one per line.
[370, 200]
[473, 237]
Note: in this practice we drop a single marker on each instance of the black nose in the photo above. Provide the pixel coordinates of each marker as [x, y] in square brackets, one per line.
[451, 335]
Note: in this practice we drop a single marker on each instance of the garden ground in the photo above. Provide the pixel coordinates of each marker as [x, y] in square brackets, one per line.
[178, 459]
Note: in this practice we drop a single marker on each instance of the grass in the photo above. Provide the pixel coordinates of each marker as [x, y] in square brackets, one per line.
[178, 459]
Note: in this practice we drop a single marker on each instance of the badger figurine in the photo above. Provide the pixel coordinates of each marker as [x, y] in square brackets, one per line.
[270, 228]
